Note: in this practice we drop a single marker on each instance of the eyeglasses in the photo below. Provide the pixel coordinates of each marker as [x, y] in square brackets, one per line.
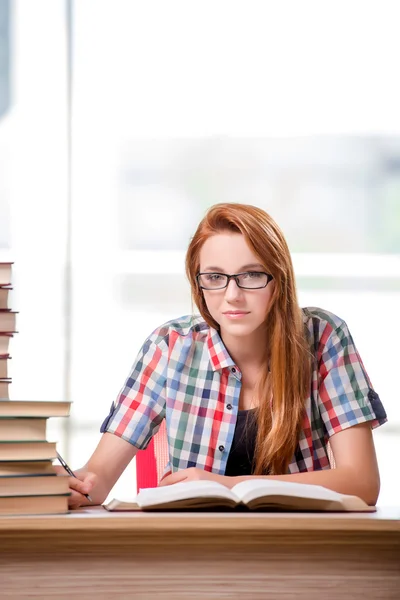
[251, 280]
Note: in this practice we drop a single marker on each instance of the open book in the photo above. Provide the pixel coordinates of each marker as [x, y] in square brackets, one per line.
[251, 494]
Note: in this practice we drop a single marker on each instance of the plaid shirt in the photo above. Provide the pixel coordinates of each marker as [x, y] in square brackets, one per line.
[183, 373]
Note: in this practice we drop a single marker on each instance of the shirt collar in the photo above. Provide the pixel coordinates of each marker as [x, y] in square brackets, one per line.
[219, 356]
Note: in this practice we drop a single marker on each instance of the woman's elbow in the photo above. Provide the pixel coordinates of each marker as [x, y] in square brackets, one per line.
[371, 486]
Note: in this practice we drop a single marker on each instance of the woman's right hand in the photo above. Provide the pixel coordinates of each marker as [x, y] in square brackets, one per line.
[82, 484]
[100, 473]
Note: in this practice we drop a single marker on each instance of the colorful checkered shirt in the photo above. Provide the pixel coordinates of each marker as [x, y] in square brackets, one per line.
[183, 373]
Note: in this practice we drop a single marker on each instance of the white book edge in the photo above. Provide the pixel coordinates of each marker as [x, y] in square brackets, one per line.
[184, 491]
[246, 491]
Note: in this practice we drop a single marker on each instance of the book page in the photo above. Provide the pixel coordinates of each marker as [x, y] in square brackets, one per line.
[183, 491]
[127, 503]
[257, 488]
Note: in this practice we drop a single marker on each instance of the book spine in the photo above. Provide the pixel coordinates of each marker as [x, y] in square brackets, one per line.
[7, 327]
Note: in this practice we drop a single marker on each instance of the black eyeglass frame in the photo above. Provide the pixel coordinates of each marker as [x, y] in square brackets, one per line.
[235, 276]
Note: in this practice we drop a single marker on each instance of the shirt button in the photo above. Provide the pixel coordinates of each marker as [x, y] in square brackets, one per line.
[233, 370]
[221, 448]
[229, 406]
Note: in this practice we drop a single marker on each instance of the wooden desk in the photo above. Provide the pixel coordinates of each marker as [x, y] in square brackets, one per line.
[90, 554]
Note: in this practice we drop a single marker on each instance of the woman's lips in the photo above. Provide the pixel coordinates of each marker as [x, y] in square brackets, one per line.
[235, 314]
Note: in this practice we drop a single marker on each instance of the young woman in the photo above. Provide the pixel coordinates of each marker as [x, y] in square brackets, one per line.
[252, 387]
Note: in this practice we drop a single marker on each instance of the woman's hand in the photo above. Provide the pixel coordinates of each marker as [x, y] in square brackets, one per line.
[195, 474]
[82, 484]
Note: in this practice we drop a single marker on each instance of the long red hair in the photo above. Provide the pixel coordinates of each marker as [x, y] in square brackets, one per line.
[285, 381]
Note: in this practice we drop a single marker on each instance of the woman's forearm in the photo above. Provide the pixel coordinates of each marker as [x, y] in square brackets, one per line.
[342, 480]
[106, 464]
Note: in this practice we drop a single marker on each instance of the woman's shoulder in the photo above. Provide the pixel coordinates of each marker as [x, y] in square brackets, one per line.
[186, 326]
[313, 315]
[323, 326]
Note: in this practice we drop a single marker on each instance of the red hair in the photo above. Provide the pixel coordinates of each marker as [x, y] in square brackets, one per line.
[284, 383]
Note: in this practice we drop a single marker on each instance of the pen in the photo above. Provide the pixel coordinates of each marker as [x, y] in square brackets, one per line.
[70, 472]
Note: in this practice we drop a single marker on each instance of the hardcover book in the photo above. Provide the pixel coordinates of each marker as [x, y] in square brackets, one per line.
[255, 494]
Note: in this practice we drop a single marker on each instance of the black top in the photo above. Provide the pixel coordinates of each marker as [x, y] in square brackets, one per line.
[240, 459]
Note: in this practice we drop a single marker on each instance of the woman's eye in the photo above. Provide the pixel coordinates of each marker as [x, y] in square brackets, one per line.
[213, 277]
[251, 275]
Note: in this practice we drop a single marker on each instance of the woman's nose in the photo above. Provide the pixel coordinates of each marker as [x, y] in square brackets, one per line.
[232, 290]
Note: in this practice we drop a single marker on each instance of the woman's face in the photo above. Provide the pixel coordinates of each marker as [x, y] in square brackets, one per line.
[239, 312]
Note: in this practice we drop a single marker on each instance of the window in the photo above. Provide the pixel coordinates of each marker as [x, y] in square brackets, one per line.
[119, 126]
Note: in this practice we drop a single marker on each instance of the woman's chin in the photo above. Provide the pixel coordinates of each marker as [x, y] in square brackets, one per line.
[237, 329]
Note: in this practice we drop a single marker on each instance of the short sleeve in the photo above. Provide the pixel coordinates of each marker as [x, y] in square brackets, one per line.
[139, 408]
[345, 393]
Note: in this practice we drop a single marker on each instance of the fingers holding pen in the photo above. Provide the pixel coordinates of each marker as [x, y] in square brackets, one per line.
[80, 485]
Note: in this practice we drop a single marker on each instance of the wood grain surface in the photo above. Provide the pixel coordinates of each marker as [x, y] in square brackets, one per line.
[94, 554]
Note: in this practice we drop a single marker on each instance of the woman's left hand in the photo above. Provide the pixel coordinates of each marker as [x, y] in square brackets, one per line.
[195, 474]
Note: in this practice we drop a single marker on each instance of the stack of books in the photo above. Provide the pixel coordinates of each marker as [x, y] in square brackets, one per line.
[7, 328]
[29, 484]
